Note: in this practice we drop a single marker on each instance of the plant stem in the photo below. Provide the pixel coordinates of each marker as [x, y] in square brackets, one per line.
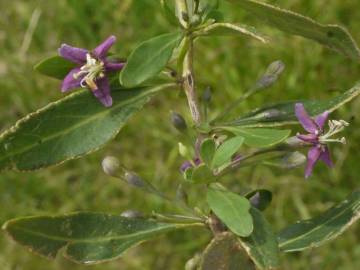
[182, 12]
[233, 105]
[189, 83]
[186, 62]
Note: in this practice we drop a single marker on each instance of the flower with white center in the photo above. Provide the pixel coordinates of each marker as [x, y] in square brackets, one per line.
[92, 70]
[317, 137]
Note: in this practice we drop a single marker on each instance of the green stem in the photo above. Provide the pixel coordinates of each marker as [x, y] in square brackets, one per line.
[189, 84]
[233, 105]
[182, 12]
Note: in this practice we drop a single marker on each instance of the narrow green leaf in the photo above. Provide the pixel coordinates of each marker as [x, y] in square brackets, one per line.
[225, 252]
[202, 175]
[261, 245]
[260, 137]
[260, 198]
[149, 59]
[69, 128]
[55, 66]
[223, 29]
[284, 113]
[88, 238]
[232, 209]
[332, 36]
[225, 151]
[207, 151]
[323, 228]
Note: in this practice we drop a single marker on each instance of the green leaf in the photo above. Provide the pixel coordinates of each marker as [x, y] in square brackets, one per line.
[284, 113]
[262, 245]
[202, 175]
[168, 12]
[224, 252]
[223, 29]
[225, 151]
[69, 128]
[260, 137]
[232, 209]
[207, 151]
[86, 237]
[149, 59]
[323, 228]
[332, 36]
[260, 198]
[55, 66]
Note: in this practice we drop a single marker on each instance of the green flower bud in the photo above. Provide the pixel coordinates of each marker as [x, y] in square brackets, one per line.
[111, 166]
[135, 180]
[293, 160]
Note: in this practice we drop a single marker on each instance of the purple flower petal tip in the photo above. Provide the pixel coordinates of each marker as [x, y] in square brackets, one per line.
[306, 121]
[73, 54]
[101, 50]
[107, 101]
[104, 98]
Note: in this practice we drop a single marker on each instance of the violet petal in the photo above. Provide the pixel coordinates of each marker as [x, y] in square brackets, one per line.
[103, 92]
[109, 66]
[309, 138]
[101, 50]
[313, 156]
[70, 82]
[73, 54]
[325, 156]
[305, 120]
[321, 119]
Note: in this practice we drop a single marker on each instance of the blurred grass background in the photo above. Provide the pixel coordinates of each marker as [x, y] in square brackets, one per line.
[148, 143]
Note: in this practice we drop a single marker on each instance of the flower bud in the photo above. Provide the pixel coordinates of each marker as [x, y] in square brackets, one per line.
[111, 166]
[292, 160]
[295, 142]
[178, 121]
[135, 180]
[132, 214]
[271, 75]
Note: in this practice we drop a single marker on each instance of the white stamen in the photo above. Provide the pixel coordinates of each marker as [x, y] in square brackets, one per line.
[335, 126]
[93, 69]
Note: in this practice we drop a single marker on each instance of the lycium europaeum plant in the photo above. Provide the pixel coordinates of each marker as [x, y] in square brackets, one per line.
[78, 124]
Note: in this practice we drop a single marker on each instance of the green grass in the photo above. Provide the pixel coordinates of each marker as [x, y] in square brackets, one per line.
[148, 144]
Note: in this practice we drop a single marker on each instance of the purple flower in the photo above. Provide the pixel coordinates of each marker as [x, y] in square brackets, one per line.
[92, 70]
[316, 136]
